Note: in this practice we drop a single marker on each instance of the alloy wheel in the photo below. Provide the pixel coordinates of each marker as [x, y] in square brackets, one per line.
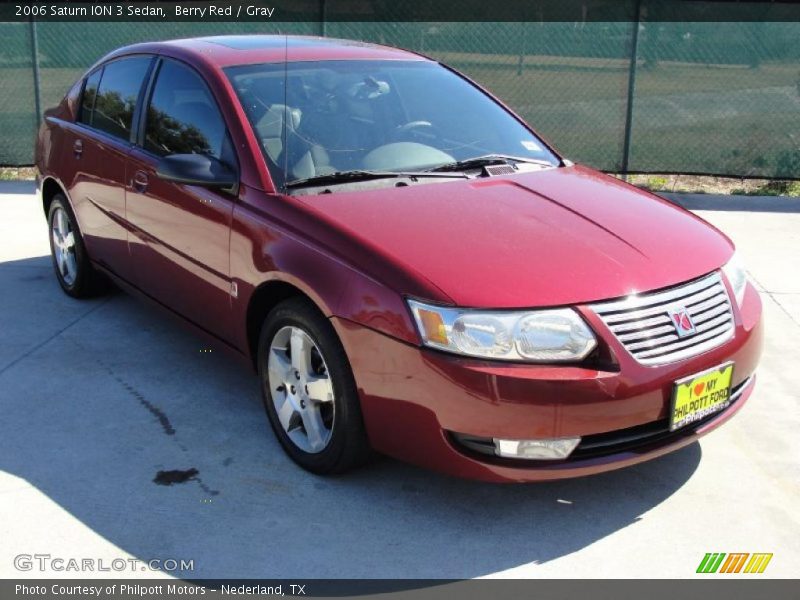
[301, 389]
[64, 246]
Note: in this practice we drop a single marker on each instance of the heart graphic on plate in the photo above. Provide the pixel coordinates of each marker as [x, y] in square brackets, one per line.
[698, 388]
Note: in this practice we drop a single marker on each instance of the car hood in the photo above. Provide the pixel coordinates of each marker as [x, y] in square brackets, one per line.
[560, 236]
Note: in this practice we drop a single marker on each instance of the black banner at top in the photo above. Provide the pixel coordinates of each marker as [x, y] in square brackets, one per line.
[403, 10]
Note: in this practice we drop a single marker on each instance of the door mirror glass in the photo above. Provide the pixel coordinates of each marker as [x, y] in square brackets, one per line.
[196, 169]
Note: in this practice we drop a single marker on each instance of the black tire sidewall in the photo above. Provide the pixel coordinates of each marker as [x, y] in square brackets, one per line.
[347, 444]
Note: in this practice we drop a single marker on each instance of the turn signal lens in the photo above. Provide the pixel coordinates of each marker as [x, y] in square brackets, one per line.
[432, 326]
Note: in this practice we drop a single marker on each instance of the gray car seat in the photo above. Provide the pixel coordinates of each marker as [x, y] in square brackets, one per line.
[305, 158]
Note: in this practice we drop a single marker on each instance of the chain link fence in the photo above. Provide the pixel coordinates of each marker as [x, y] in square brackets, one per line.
[621, 96]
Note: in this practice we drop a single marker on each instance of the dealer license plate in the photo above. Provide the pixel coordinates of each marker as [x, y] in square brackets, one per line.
[700, 395]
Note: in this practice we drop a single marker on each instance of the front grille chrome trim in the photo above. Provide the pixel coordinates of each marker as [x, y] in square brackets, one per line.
[642, 323]
[670, 294]
[617, 316]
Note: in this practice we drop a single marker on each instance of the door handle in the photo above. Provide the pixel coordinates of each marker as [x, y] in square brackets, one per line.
[77, 148]
[140, 181]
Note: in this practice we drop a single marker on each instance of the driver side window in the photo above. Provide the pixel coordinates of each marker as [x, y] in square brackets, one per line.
[183, 117]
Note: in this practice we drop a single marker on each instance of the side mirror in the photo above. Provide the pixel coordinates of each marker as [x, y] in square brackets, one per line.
[196, 169]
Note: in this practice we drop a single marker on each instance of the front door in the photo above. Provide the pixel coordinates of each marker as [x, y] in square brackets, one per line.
[180, 234]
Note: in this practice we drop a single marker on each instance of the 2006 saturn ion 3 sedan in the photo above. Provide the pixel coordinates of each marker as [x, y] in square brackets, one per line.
[407, 265]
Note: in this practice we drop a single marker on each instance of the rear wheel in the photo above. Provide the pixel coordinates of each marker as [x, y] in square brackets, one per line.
[308, 390]
[71, 263]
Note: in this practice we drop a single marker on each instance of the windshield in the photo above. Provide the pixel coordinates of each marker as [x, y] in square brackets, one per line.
[319, 118]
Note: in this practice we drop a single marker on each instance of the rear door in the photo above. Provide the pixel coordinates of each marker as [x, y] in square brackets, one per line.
[180, 234]
[95, 156]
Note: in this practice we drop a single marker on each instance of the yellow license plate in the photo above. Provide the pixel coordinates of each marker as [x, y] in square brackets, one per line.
[700, 395]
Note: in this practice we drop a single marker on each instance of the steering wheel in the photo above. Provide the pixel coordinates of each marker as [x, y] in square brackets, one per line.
[426, 128]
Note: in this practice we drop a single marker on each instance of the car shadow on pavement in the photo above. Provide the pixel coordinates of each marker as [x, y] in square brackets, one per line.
[158, 443]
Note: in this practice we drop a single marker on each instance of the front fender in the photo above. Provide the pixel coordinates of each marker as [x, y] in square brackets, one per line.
[336, 289]
[267, 246]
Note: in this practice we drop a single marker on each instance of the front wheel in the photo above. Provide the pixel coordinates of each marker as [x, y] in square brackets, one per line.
[309, 391]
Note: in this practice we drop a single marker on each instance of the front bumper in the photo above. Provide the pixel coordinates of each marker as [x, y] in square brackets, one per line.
[414, 400]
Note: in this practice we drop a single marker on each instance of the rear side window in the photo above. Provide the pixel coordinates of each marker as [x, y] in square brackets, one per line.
[183, 117]
[89, 95]
[117, 95]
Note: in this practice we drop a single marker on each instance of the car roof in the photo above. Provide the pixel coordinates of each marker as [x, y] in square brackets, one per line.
[229, 50]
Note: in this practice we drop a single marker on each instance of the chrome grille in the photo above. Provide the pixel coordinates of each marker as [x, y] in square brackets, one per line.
[643, 324]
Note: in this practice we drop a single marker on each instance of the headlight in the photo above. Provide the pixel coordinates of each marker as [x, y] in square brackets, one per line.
[533, 336]
[737, 277]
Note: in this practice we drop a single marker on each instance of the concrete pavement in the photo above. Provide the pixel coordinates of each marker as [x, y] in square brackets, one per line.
[97, 397]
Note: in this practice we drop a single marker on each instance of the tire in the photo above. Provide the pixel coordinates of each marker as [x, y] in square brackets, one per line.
[321, 434]
[74, 271]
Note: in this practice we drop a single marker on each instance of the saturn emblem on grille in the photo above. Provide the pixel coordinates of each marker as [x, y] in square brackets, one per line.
[682, 321]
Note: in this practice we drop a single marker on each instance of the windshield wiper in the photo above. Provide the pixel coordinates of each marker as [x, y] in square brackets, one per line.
[487, 159]
[360, 175]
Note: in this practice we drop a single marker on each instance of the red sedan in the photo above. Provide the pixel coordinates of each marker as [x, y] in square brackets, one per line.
[406, 264]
